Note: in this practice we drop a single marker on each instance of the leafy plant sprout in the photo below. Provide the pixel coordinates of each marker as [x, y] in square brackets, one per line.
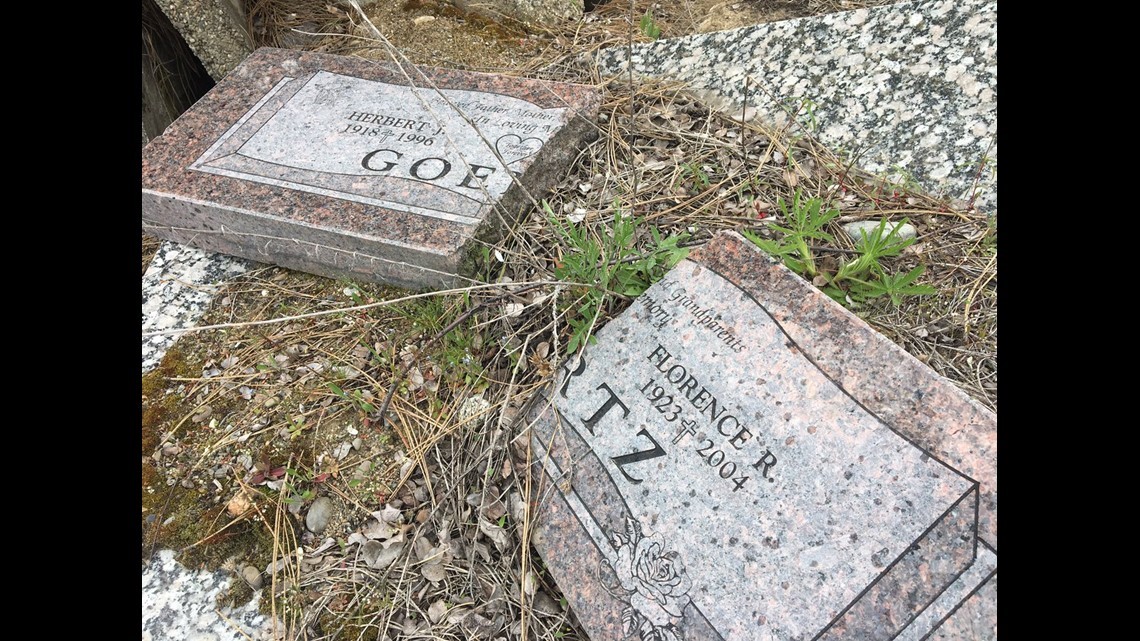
[609, 266]
[855, 281]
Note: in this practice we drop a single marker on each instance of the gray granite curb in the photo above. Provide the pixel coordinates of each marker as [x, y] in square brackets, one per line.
[908, 90]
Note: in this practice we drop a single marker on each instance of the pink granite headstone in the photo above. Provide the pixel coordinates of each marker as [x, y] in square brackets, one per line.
[356, 169]
[740, 458]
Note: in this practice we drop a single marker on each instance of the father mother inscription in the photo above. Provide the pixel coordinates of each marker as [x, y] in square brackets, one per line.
[355, 169]
[730, 484]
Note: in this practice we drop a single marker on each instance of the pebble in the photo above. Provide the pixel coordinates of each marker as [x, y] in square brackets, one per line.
[319, 514]
[271, 401]
[544, 604]
[239, 504]
[854, 229]
[252, 576]
[362, 470]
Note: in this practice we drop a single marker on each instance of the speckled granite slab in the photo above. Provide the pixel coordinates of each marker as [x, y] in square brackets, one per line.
[347, 168]
[177, 288]
[910, 86]
[740, 458]
[178, 603]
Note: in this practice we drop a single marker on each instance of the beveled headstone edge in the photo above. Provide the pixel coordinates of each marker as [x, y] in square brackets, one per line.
[880, 375]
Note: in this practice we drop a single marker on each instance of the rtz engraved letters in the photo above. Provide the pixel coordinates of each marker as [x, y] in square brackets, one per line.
[626, 459]
[604, 409]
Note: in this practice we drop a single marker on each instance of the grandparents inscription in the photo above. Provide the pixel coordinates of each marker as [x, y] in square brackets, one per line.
[350, 168]
[724, 486]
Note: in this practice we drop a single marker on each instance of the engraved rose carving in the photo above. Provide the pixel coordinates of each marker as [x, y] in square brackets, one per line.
[654, 581]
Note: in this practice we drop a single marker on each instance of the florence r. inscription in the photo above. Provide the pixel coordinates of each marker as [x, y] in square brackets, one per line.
[676, 408]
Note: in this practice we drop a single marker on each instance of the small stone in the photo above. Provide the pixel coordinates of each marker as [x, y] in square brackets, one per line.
[854, 230]
[357, 443]
[271, 401]
[239, 504]
[319, 514]
[252, 576]
[361, 472]
[202, 414]
[187, 483]
[544, 604]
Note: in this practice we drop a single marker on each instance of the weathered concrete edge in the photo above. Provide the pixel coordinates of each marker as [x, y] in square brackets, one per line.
[220, 229]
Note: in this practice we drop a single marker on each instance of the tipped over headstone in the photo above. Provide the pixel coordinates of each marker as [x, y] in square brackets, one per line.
[355, 169]
[740, 458]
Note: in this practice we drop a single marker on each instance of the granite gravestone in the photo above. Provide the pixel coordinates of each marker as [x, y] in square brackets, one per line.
[740, 458]
[355, 169]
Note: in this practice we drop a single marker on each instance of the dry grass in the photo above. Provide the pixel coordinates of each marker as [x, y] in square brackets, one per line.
[295, 407]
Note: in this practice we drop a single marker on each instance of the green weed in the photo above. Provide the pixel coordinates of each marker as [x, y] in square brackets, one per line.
[358, 399]
[455, 352]
[700, 176]
[989, 241]
[608, 265]
[649, 28]
[856, 280]
[805, 224]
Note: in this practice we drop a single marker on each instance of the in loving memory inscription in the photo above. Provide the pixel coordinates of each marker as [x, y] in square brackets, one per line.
[719, 486]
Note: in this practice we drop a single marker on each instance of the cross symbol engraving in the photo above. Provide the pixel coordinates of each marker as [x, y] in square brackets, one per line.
[687, 427]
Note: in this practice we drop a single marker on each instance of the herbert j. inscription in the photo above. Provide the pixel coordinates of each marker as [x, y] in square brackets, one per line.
[397, 146]
[724, 487]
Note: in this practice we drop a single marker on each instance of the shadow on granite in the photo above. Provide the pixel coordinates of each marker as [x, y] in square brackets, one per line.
[909, 90]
